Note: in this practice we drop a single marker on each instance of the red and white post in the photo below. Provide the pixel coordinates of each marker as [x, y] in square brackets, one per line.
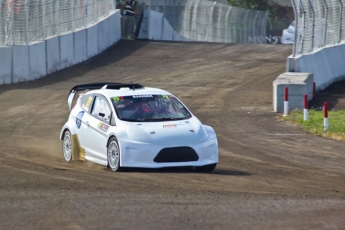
[305, 110]
[325, 115]
[286, 101]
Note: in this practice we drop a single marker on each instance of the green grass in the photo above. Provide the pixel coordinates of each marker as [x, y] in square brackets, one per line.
[315, 123]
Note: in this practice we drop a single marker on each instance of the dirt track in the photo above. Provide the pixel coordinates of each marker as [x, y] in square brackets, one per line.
[271, 174]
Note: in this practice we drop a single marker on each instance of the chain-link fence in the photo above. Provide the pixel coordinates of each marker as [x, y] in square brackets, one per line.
[212, 21]
[318, 23]
[28, 21]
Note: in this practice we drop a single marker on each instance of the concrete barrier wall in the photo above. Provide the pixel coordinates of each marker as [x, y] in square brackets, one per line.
[5, 65]
[158, 28]
[115, 28]
[53, 55]
[30, 62]
[66, 50]
[327, 65]
[92, 39]
[80, 46]
[103, 41]
[298, 84]
[20, 62]
[56, 53]
[37, 57]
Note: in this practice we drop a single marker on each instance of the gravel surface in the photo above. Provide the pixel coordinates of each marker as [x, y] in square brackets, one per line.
[271, 174]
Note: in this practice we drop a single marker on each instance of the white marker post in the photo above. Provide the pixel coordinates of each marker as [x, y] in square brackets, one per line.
[286, 101]
[325, 115]
[305, 110]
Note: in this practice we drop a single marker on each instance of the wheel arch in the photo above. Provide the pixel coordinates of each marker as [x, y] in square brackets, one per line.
[68, 126]
[111, 136]
[78, 153]
[210, 132]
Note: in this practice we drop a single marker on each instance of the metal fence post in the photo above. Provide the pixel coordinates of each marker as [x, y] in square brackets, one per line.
[227, 24]
[27, 2]
[304, 19]
[245, 27]
[313, 29]
[44, 21]
[96, 9]
[85, 15]
[263, 26]
[254, 32]
[9, 26]
[326, 21]
[294, 48]
[219, 36]
[194, 17]
[73, 15]
[210, 23]
[59, 17]
[341, 20]
[163, 17]
[173, 21]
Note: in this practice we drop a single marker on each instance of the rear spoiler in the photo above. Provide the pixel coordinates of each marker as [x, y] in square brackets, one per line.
[99, 85]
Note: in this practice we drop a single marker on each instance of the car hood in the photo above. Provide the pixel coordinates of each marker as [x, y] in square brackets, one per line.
[173, 133]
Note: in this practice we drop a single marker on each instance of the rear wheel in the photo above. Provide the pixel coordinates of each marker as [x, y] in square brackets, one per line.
[113, 155]
[67, 146]
[206, 168]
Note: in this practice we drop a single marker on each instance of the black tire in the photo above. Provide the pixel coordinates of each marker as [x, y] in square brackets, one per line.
[113, 155]
[206, 168]
[67, 146]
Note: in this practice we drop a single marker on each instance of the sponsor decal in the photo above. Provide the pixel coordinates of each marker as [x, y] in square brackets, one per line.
[165, 96]
[88, 103]
[169, 126]
[103, 127]
[117, 98]
[142, 96]
[79, 119]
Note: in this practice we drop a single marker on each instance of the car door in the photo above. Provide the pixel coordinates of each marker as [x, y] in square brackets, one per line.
[98, 124]
[85, 103]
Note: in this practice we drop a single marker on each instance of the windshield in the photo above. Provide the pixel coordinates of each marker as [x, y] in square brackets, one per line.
[149, 108]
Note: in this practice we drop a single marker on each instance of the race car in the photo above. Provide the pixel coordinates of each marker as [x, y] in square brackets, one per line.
[128, 125]
[288, 35]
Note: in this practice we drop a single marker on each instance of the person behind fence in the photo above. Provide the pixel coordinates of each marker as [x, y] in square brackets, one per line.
[128, 19]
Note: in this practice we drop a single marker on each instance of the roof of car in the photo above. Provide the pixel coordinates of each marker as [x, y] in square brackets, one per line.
[126, 91]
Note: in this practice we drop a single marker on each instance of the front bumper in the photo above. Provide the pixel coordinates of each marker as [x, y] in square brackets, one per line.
[143, 155]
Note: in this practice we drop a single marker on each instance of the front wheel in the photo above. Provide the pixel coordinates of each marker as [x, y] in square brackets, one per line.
[113, 155]
[206, 168]
[67, 146]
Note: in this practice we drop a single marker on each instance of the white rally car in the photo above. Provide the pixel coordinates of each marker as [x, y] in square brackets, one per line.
[288, 35]
[128, 125]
